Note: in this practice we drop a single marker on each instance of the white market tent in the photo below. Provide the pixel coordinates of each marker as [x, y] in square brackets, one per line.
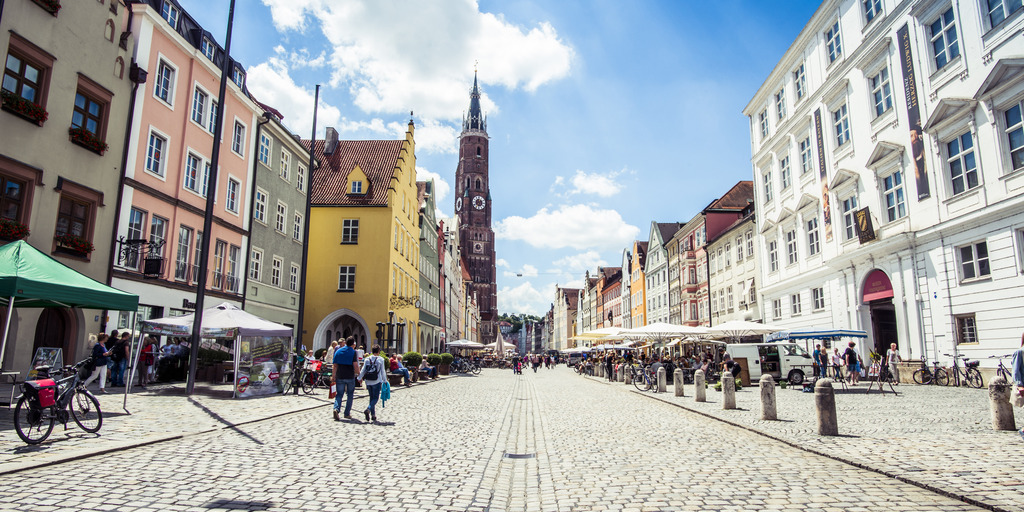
[664, 330]
[736, 329]
[465, 344]
[260, 347]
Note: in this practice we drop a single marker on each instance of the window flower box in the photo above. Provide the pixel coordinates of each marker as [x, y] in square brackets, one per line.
[87, 140]
[23, 108]
[50, 6]
[73, 244]
[11, 230]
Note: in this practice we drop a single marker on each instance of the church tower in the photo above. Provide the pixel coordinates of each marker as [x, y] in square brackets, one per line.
[473, 207]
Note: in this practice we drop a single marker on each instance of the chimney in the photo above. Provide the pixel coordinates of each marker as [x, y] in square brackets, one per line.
[332, 141]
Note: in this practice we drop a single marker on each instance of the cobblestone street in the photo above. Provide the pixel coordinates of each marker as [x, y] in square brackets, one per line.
[545, 441]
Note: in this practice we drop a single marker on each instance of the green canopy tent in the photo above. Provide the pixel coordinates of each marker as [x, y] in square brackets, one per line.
[30, 278]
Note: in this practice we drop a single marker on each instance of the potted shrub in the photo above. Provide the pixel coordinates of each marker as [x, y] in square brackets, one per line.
[75, 244]
[446, 364]
[12, 230]
[23, 108]
[783, 384]
[411, 360]
[87, 140]
[433, 359]
[718, 386]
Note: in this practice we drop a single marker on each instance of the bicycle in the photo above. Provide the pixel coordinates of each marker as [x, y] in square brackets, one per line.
[1002, 370]
[45, 401]
[969, 375]
[936, 375]
[643, 378]
[313, 378]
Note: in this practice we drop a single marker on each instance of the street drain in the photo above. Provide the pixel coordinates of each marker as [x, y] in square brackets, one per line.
[520, 455]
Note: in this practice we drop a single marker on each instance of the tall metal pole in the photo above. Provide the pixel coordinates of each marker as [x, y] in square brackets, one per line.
[305, 231]
[211, 193]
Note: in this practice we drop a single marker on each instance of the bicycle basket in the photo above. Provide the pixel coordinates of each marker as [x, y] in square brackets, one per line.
[972, 364]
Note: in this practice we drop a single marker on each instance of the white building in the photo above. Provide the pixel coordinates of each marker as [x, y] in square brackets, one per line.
[734, 274]
[656, 271]
[864, 223]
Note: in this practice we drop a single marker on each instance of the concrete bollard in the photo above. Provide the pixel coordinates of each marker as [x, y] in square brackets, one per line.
[728, 391]
[768, 411]
[627, 376]
[661, 380]
[999, 400]
[600, 370]
[825, 405]
[677, 382]
[622, 373]
[699, 392]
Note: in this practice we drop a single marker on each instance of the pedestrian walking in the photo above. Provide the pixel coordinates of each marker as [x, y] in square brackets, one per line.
[344, 377]
[816, 360]
[373, 375]
[100, 358]
[1017, 363]
[893, 359]
[837, 363]
[852, 361]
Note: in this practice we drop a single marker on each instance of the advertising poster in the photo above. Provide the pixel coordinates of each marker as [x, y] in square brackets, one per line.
[823, 174]
[262, 362]
[46, 356]
[913, 113]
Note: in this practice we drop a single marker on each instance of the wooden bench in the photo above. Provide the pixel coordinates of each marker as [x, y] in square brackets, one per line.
[395, 379]
[423, 374]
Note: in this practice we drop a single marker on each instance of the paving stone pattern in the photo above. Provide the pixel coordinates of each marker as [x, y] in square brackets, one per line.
[937, 436]
[550, 441]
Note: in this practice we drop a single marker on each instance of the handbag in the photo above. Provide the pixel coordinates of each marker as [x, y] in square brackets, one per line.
[334, 391]
[1018, 399]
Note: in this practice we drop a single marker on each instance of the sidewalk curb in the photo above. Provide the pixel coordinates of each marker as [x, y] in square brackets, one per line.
[928, 487]
[160, 439]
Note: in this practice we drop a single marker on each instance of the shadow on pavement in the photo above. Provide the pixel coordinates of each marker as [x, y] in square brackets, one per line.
[224, 421]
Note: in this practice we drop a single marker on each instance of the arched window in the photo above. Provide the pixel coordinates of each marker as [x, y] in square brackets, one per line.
[478, 151]
[479, 184]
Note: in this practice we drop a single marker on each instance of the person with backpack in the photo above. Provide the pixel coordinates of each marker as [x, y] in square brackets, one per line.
[852, 361]
[373, 374]
[343, 377]
[119, 359]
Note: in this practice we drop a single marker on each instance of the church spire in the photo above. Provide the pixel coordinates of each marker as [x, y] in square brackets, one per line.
[475, 120]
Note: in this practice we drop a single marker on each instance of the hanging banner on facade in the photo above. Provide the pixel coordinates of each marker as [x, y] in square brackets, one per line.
[913, 113]
[823, 174]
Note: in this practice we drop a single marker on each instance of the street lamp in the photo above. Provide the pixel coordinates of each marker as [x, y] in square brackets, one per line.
[387, 332]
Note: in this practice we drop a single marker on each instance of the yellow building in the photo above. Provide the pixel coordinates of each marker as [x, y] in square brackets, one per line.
[363, 244]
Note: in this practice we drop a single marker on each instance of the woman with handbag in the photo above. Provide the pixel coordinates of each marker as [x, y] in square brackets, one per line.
[373, 374]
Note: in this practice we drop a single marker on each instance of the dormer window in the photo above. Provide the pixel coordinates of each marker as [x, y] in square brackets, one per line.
[238, 77]
[207, 48]
[170, 13]
[357, 187]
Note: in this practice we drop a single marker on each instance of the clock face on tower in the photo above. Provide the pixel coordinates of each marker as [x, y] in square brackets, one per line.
[478, 247]
[478, 202]
[458, 204]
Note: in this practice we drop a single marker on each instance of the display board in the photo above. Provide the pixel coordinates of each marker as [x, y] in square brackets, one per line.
[46, 356]
[261, 362]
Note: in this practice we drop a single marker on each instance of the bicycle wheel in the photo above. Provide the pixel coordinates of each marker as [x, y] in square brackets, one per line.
[85, 410]
[33, 426]
[973, 378]
[640, 382]
[475, 369]
[923, 376]
[308, 382]
[940, 378]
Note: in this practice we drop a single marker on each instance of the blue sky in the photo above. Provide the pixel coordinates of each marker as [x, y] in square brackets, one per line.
[603, 115]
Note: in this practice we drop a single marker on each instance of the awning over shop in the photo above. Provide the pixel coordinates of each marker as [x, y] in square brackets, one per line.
[810, 334]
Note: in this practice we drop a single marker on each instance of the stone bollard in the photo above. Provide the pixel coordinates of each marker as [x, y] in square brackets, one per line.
[999, 399]
[622, 373]
[677, 382]
[627, 376]
[661, 380]
[600, 370]
[825, 405]
[768, 411]
[728, 391]
[699, 392]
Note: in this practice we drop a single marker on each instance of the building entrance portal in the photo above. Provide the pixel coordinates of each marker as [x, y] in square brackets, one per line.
[339, 325]
[53, 330]
[878, 296]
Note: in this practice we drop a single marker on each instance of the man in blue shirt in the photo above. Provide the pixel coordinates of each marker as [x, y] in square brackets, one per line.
[344, 376]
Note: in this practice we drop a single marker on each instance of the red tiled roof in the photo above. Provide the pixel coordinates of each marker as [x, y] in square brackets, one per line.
[641, 253]
[377, 159]
[737, 198]
[668, 230]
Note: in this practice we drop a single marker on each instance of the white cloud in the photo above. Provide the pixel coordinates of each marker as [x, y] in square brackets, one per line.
[582, 262]
[578, 226]
[441, 187]
[528, 270]
[525, 299]
[602, 185]
[271, 85]
[406, 55]
[501, 263]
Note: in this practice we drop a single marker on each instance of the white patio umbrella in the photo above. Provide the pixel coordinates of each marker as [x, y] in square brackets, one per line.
[736, 329]
[664, 330]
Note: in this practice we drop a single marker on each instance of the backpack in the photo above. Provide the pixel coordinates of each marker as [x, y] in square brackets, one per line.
[372, 371]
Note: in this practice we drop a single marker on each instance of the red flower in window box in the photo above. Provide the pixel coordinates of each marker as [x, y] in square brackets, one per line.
[12, 230]
[86, 139]
[51, 6]
[23, 107]
[75, 243]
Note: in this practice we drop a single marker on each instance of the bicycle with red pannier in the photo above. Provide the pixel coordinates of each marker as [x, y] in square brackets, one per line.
[45, 401]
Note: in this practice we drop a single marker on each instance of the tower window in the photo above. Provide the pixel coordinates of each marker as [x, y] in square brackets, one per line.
[479, 184]
[478, 151]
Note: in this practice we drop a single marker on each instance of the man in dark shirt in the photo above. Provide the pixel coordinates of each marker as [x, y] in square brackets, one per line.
[344, 377]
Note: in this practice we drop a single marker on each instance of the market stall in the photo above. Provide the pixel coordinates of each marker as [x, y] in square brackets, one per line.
[258, 348]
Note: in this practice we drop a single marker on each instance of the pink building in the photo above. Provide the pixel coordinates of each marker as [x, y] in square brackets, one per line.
[160, 221]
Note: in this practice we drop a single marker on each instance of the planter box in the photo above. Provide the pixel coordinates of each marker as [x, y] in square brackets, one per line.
[444, 369]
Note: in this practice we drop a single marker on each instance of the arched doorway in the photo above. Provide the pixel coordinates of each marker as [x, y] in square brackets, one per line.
[878, 296]
[54, 329]
[339, 325]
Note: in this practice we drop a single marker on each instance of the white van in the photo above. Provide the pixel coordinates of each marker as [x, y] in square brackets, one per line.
[780, 360]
